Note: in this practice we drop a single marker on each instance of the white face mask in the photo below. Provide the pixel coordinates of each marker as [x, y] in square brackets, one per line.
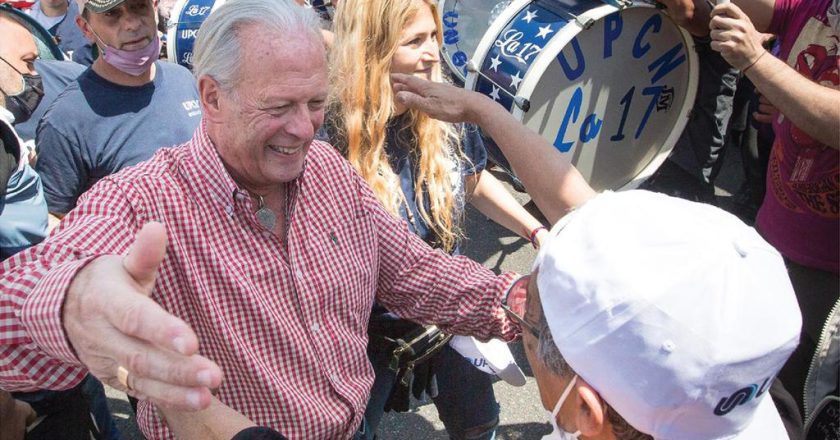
[558, 433]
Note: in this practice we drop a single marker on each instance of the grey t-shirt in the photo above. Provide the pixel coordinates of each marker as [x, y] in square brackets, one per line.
[96, 128]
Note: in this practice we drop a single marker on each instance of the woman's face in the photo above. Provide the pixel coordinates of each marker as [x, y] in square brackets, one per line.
[417, 50]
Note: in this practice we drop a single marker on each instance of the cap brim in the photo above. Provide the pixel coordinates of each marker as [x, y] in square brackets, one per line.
[100, 7]
[766, 423]
[513, 375]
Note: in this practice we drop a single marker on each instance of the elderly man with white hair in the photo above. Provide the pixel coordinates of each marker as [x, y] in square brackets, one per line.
[250, 252]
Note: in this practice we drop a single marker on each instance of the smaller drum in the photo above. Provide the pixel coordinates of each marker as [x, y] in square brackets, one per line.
[187, 16]
[611, 86]
[464, 23]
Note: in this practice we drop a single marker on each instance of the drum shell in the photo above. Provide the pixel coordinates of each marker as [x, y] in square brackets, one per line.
[611, 88]
[184, 22]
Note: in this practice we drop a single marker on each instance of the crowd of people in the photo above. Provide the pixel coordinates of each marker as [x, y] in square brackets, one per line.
[268, 246]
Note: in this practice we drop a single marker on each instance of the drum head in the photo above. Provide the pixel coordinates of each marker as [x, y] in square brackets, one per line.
[182, 29]
[464, 23]
[610, 88]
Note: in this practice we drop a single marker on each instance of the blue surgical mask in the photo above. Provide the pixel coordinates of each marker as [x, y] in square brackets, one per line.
[558, 433]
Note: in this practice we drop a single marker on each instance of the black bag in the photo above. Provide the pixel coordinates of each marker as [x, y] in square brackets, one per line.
[409, 360]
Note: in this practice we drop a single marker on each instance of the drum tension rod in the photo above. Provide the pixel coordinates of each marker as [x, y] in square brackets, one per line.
[519, 101]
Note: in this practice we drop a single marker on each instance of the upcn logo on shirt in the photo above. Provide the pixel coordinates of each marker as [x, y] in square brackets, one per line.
[192, 107]
[740, 397]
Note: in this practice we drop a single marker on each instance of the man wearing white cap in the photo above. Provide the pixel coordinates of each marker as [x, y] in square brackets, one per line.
[627, 336]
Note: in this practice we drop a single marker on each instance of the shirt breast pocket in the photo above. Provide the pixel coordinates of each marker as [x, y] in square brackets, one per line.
[345, 265]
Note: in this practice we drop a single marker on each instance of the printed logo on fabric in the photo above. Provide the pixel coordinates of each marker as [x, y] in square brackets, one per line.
[741, 397]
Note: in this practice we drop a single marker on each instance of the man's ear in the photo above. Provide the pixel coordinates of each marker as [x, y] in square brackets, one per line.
[592, 417]
[84, 26]
[209, 91]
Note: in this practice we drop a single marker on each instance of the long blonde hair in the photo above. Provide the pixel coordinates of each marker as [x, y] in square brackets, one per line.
[367, 33]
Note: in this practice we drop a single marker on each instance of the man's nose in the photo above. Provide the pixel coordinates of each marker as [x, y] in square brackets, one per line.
[132, 22]
[300, 124]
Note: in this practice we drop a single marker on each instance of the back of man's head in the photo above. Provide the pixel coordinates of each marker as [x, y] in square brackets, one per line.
[676, 313]
[218, 51]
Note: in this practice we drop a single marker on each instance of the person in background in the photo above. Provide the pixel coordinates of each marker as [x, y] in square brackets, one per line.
[423, 171]
[59, 18]
[118, 112]
[800, 214]
[23, 223]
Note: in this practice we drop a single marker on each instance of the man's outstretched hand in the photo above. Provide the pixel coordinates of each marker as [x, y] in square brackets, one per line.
[111, 322]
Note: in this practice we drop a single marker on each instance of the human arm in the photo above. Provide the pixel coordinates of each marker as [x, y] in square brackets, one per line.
[814, 108]
[551, 180]
[216, 422]
[492, 199]
[427, 285]
[694, 15]
[79, 301]
[62, 167]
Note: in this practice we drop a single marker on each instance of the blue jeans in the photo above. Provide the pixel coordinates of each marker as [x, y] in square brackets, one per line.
[465, 402]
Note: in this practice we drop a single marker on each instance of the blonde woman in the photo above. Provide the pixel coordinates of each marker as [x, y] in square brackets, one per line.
[422, 170]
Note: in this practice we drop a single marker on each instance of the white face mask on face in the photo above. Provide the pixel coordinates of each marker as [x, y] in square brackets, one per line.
[558, 433]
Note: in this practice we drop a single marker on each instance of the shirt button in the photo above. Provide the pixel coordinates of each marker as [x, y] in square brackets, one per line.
[334, 377]
[298, 274]
[315, 327]
[229, 210]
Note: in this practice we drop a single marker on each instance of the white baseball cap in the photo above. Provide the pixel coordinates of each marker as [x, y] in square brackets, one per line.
[676, 312]
[492, 357]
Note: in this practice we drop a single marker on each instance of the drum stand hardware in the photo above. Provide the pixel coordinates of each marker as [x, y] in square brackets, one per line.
[519, 101]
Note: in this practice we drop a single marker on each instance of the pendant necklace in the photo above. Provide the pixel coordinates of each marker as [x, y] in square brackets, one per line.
[265, 216]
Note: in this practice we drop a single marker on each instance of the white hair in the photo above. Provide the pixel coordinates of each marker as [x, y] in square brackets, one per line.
[218, 51]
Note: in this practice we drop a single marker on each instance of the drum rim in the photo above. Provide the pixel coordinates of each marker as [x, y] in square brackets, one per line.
[172, 26]
[565, 35]
[453, 68]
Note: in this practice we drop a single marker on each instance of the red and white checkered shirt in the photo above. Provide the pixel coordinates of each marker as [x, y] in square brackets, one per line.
[285, 320]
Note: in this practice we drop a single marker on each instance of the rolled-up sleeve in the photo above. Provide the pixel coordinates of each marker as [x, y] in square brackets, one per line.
[431, 287]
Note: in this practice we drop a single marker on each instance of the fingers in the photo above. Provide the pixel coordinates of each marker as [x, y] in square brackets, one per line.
[170, 396]
[410, 100]
[148, 372]
[150, 363]
[146, 253]
[727, 9]
[409, 83]
[140, 317]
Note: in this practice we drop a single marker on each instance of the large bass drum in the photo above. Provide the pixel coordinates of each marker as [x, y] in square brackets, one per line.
[611, 86]
[187, 16]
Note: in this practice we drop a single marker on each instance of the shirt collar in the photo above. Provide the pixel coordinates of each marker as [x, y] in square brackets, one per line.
[211, 171]
[213, 175]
